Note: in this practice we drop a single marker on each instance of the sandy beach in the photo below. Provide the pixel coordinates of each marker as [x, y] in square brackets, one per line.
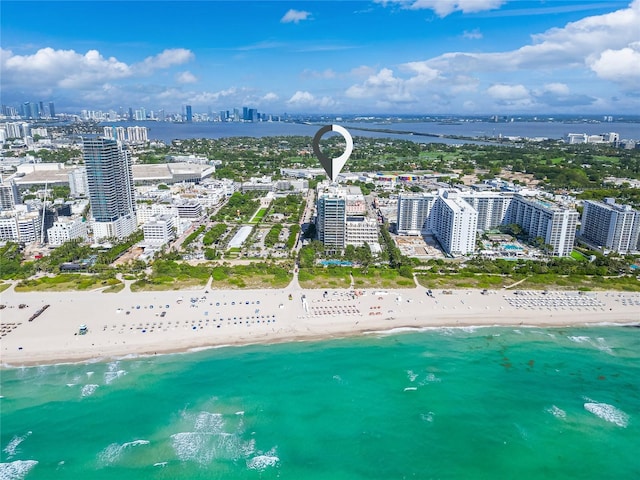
[148, 323]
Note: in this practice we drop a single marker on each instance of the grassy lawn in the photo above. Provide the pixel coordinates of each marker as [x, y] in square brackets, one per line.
[114, 288]
[576, 255]
[532, 282]
[258, 275]
[4, 286]
[65, 282]
[330, 277]
[170, 275]
[258, 216]
[166, 283]
[339, 277]
[435, 281]
[381, 278]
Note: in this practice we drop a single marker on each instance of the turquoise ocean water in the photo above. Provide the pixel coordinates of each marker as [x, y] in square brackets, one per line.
[480, 403]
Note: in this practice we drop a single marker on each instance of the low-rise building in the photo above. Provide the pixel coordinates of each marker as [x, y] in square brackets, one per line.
[159, 230]
[65, 229]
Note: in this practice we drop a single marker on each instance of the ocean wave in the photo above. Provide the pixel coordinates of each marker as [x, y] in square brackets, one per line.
[16, 470]
[191, 446]
[427, 417]
[431, 378]
[212, 438]
[113, 452]
[12, 447]
[556, 412]
[608, 412]
[411, 375]
[89, 390]
[207, 422]
[113, 372]
[262, 462]
[599, 343]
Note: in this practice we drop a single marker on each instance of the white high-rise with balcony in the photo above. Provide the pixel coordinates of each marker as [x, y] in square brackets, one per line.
[610, 226]
[111, 191]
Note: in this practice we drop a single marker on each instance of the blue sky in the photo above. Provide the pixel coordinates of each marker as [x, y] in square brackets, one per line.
[394, 56]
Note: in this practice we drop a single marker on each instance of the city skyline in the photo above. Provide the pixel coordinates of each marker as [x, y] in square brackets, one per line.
[426, 56]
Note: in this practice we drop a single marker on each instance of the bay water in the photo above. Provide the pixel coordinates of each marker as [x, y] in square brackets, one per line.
[470, 403]
[167, 131]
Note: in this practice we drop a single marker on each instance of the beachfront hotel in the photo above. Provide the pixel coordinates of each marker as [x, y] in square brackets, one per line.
[422, 214]
[609, 226]
[111, 191]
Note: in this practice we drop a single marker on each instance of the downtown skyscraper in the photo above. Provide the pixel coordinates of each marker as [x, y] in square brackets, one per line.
[111, 191]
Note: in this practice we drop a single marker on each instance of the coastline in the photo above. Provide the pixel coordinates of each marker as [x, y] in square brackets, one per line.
[191, 320]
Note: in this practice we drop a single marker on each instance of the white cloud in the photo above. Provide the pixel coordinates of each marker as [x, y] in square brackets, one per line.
[64, 68]
[270, 97]
[362, 71]
[556, 88]
[509, 94]
[444, 7]
[575, 45]
[383, 86]
[304, 99]
[325, 74]
[206, 98]
[620, 66]
[186, 77]
[165, 59]
[295, 16]
[474, 34]
[72, 70]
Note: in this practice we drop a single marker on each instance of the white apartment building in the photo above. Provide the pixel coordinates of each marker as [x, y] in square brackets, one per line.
[20, 227]
[491, 207]
[137, 134]
[361, 230]
[414, 212]
[456, 224]
[419, 214]
[159, 230]
[540, 218]
[65, 229]
[609, 226]
[78, 183]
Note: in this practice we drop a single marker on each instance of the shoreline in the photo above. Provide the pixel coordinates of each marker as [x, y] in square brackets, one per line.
[128, 325]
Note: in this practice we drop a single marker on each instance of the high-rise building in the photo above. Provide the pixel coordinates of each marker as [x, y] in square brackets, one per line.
[423, 213]
[332, 217]
[414, 212]
[456, 224]
[9, 195]
[111, 191]
[189, 114]
[52, 110]
[78, 183]
[554, 224]
[137, 134]
[491, 207]
[610, 226]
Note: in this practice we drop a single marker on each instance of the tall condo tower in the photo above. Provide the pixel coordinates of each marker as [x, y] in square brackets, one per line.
[111, 192]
